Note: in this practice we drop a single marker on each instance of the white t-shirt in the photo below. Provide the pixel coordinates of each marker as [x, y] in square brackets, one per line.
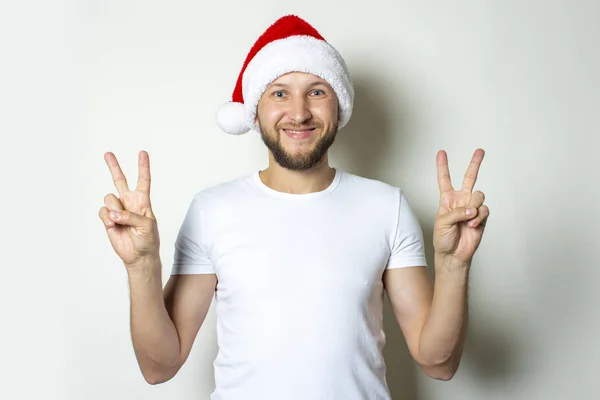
[299, 295]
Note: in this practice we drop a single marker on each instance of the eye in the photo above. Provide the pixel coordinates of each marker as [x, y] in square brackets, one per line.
[317, 92]
[278, 93]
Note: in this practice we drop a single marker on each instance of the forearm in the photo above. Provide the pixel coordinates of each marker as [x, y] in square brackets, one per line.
[444, 331]
[154, 336]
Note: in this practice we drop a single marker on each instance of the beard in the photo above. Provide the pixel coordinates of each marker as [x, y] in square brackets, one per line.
[297, 162]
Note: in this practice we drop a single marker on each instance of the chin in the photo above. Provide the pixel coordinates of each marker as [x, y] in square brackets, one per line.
[300, 151]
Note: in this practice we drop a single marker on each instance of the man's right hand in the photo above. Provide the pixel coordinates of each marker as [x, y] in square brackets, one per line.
[130, 224]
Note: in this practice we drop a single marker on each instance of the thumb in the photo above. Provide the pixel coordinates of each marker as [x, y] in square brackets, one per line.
[124, 217]
[457, 215]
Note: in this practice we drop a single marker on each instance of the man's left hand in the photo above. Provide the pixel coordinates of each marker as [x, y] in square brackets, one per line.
[461, 218]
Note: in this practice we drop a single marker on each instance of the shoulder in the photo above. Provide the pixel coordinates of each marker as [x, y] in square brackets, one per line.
[223, 194]
[370, 189]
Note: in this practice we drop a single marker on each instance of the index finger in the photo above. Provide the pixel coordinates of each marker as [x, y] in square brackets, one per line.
[443, 173]
[143, 184]
[117, 175]
[472, 171]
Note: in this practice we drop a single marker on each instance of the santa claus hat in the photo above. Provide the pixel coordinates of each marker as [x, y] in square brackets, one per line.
[288, 45]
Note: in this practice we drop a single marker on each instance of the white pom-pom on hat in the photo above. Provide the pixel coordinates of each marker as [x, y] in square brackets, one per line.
[231, 118]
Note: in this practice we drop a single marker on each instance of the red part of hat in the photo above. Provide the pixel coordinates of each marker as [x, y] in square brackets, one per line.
[289, 25]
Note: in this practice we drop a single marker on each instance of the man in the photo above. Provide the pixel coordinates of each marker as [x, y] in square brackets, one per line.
[297, 255]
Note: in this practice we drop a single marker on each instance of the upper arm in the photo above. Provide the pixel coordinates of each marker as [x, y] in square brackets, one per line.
[410, 292]
[191, 286]
[406, 278]
[187, 299]
[407, 247]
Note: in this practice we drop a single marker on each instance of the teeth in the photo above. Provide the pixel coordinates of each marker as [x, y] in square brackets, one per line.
[298, 132]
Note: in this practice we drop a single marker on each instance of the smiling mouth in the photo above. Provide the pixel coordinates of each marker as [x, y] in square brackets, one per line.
[298, 131]
[299, 134]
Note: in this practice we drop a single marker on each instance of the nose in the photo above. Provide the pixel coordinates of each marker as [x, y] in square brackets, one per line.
[299, 110]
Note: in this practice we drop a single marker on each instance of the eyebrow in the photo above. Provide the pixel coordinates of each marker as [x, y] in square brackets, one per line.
[314, 83]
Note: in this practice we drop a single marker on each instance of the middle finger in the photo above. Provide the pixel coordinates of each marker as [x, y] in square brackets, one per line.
[117, 174]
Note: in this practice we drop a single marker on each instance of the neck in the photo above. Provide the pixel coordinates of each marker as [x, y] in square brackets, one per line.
[284, 180]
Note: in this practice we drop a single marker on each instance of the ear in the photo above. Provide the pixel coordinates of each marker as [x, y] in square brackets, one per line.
[256, 124]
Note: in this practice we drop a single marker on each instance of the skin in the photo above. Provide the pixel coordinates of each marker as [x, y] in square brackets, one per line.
[298, 102]
[164, 323]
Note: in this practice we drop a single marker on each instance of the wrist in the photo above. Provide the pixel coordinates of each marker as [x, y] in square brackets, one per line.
[444, 262]
[145, 265]
[451, 273]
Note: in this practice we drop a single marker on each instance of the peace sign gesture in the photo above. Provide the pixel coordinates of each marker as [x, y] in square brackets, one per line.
[129, 221]
[461, 218]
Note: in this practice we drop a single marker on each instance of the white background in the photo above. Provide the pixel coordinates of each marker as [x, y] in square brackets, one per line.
[517, 78]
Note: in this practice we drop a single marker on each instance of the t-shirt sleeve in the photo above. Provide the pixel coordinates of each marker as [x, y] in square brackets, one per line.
[408, 249]
[190, 253]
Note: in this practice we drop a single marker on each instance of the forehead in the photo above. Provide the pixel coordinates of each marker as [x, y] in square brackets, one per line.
[298, 79]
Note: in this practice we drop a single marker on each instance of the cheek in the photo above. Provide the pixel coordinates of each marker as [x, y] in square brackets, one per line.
[270, 115]
[326, 112]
